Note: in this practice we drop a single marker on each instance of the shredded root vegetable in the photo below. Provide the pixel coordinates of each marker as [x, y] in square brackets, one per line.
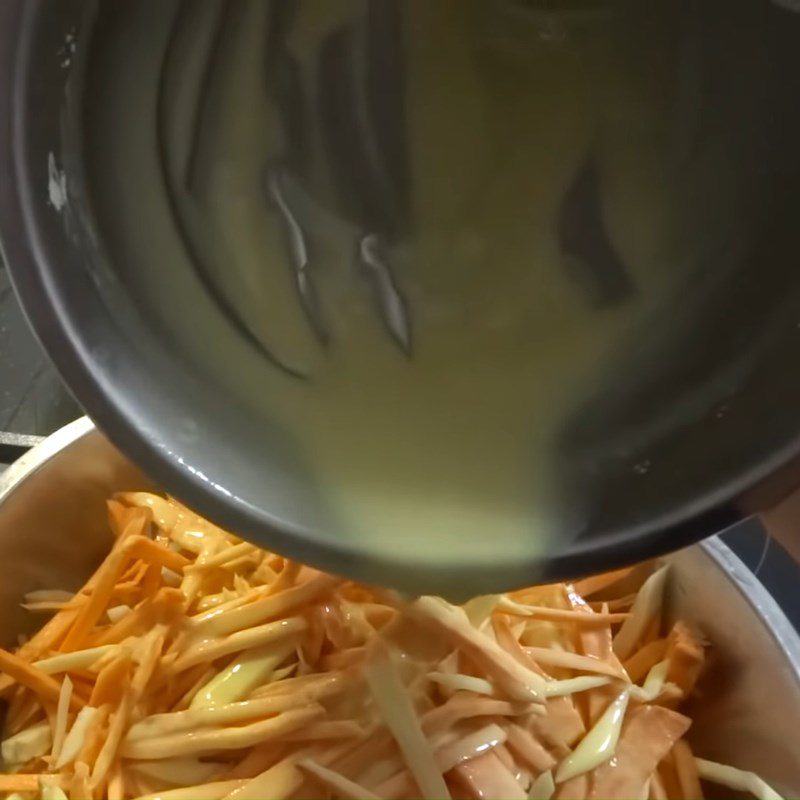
[194, 666]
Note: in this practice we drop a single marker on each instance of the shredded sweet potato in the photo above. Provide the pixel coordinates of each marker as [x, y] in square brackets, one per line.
[195, 666]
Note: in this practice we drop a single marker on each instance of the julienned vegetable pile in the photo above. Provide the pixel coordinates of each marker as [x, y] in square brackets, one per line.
[195, 666]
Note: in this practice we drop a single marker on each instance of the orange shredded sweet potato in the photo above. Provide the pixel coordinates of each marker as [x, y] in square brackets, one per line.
[21, 782]
[227, 672]
[644, 659]
[686, 771]
[686, 656]
[34, 679]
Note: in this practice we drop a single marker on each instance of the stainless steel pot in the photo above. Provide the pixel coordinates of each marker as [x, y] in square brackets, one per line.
[186, 428]
[53, 533]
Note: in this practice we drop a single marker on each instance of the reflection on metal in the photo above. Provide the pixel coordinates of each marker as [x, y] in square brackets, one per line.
[390, 301]
[298, 252]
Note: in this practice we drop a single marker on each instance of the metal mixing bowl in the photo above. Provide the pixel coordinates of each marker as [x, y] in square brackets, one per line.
[53, 533]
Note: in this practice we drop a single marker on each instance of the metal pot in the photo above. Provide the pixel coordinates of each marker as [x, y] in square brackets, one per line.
[635, 496]
[53, 532]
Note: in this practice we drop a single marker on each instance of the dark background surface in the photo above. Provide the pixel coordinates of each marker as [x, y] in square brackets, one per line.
[34, 403]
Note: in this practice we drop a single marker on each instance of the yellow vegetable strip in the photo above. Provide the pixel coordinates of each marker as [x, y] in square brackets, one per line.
[562, 658]
[736, 779]
[211, 739]
[244, 674]
[513, 678]
[458, 682]
[508, 606]
[470, 746]
[75, 738]
[583, 683]
[397, 711]
[224, 557]
[219, 622]
[645, 608]
[599, 743]
[209, 716]
[543, 788]
[28, 744]
[686, 769]
[79, 659]
[61, 721]
[258, 636]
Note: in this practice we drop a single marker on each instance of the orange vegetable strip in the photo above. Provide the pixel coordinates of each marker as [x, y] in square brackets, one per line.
[657, 790]
[147, 550]
[562, 615]
[686, 657]
[287, 577]
[90, 613]
[106, 756]
[461, 707]
[116, 784]
[96, 736]
[119, 722]
[23, 709]
[132, 576]
[47, 638]
[28, 782]
[47, 688]
[118, 516]
[560, 658]
[644, 659]
[111, 682]
[167, 602]
[507, 640]
[586, 587]
[686, 769]
[667, 777]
